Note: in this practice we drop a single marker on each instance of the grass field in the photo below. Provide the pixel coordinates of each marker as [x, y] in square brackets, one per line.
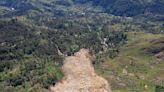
[135, 69]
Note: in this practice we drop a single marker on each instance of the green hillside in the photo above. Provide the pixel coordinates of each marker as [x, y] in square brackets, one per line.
[131, 7]
[134, 69]
[125, 38]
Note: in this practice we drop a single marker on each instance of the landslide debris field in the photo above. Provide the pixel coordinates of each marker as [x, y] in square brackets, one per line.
[80, 75]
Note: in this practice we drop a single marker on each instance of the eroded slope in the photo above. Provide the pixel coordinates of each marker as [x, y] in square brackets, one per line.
[80, 75]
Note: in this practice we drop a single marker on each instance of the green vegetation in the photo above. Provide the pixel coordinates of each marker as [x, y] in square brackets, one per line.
[31, 58]
[36, 35]
[128, 7]
[31, 74]
[134, 69]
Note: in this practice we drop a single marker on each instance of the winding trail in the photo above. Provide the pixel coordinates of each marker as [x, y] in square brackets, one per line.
[80, 75]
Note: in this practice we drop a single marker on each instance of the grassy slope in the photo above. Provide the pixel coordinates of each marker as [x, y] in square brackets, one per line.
[142, 69]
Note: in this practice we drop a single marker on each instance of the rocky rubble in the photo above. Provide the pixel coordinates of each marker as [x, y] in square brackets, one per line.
[80, 75]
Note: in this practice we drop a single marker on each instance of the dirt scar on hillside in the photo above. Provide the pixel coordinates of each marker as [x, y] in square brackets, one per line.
[80, 75]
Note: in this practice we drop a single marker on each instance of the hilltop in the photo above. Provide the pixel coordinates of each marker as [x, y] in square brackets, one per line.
[115, 7]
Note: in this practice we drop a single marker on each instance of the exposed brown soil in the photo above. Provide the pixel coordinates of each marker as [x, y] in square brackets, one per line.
[160, 56]
[80, 75]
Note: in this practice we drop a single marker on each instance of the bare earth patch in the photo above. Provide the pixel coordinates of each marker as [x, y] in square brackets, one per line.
[160, 56]
[80, 75]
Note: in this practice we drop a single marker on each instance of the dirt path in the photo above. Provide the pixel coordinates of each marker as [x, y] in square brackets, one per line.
[80, 75]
